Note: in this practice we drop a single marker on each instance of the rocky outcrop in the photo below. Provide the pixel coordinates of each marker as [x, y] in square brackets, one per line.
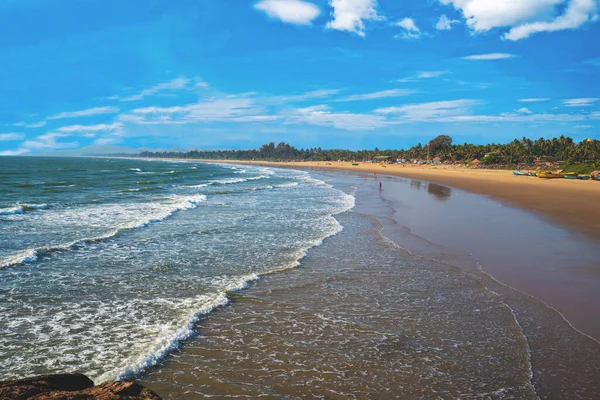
[72, 387]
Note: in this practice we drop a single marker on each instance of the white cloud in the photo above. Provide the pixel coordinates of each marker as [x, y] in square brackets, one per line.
[292, 11]
[212, 110]
[48, 141]
[524, 110]
[18, 152]
[423, 75]
[515, 117]
[323, 116]
[86, 113]
[583, 102]
[577, 13]
[379, 95]
[175, 84]
[524, 17]
[349, 15]
[490, 56]
[534, 100]
[11, 136]
[583, 126]
[36, 125]
[445, 24]
[72, 129]
[431, 110]
[311, 95]
[411, 31]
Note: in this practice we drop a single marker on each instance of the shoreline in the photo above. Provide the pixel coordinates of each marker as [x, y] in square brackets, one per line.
[269, 327]
[573, 204]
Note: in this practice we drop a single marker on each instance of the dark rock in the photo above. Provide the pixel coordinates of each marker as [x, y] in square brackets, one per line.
[72, 387]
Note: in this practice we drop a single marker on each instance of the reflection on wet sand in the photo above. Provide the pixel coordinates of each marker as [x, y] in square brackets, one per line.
[438, 191]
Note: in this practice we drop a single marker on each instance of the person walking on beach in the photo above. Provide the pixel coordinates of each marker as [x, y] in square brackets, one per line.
[380, 187]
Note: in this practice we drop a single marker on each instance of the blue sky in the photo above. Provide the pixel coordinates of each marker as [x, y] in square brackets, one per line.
[314, 73]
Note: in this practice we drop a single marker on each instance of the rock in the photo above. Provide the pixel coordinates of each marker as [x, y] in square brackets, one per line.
[72, 387]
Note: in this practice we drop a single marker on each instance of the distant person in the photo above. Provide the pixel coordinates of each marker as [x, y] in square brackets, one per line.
[380, 186]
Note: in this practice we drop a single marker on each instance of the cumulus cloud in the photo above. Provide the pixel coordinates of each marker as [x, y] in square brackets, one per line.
[411, 31]
[349, 15]
[577, 13]
[488, 57]
[525, 17]
[291, 11]
[445, 24]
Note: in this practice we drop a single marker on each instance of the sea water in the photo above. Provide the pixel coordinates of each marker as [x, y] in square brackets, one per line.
[106, 264]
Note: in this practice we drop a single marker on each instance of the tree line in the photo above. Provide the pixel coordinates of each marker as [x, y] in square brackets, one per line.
[518, 152]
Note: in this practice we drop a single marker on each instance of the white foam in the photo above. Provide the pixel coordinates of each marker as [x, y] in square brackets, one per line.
[163, 211]
[11, 211]
[25, 256]
[170, 338]
[286, 185]
[19, 208]
[135, 169]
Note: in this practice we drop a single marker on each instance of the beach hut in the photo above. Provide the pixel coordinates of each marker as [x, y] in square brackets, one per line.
[383, 159]
[475, 162]
[437, 160]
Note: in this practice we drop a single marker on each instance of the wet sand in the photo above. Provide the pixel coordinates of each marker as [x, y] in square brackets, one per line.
[396, 307]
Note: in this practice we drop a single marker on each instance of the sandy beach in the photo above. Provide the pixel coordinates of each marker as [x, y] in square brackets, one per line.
[571, 203]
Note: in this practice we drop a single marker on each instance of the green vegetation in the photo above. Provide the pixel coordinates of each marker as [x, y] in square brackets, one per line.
[583, 156]
[582, 168]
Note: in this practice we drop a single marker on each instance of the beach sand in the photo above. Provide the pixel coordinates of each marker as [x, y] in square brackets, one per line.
[574, 204]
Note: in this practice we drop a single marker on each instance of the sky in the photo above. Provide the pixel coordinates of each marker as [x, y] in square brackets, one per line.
[353, 74]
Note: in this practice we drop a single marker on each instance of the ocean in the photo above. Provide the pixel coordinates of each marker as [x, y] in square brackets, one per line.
[106, 264]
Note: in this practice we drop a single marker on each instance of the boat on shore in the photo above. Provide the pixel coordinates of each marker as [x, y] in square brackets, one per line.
[520, 173]
[583, 177]
[549, 175]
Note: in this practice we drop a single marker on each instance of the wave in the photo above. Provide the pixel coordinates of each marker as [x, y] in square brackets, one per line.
[171, 340]
[135, 169]
[229, 181]
[20, 208]
[180, 203]
[286, 185]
